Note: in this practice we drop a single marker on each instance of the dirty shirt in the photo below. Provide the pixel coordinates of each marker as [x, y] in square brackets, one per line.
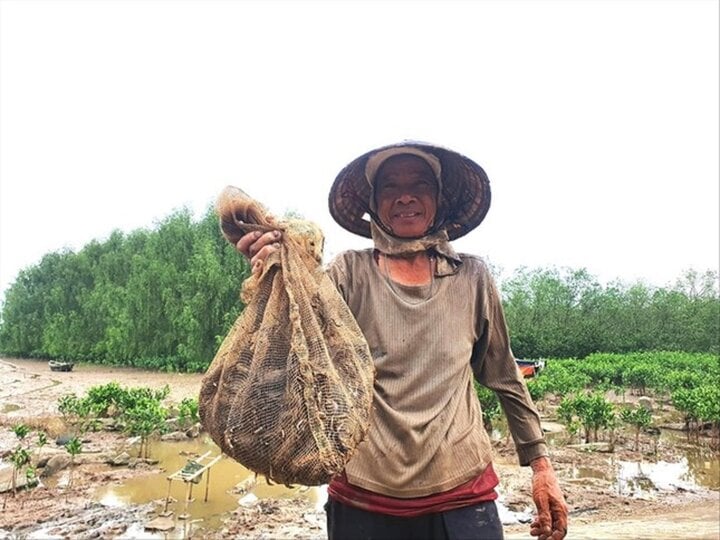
[428, 343]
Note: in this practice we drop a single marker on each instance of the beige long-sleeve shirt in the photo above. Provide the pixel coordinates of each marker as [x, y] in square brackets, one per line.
[426, 433]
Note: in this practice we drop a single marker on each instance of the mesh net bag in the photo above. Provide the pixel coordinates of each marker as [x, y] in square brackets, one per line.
[289, 392]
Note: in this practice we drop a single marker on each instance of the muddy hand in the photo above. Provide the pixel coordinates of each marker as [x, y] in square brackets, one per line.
[552, 512]
[257, 246]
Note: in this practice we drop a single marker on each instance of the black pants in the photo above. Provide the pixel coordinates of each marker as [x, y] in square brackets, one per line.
[477, 522]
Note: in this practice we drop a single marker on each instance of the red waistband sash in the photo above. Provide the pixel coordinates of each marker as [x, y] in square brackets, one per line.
[477, 490]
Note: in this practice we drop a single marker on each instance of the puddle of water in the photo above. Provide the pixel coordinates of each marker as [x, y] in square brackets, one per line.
[698, 468]
[557, 439]
[644, 480]
[589, 472]
[224, 476]
[703, 464]
[10, 407]
[510, 517]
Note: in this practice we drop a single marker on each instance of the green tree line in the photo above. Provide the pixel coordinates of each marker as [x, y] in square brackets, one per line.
[160, 298]
[566, 313]
[163, 298]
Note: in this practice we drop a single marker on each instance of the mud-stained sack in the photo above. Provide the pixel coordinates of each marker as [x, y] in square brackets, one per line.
[289, 392]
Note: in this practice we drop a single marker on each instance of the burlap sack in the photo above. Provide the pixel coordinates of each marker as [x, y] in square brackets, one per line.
[289, 392]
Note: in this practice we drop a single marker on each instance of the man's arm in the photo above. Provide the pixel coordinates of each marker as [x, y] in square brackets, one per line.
[494, 366]
[552, 516]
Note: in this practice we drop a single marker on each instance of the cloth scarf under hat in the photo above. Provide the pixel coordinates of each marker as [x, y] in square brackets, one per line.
[447, 263]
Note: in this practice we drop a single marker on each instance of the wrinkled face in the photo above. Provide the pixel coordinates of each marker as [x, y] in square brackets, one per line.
[406, 195]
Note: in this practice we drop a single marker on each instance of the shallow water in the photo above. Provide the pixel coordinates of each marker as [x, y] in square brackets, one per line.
[699, 468]
[645, 479]
[589, 472]
[9, 407]
[224, 476]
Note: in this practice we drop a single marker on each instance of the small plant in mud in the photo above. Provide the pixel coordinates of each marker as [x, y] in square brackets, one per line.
[21, 431]
[31, 480]
[138, 409]
[111, 399]
[77, 411]
[108, 400]
[42, 440]
[67, 406]
[133, 397]
[188, 414]
[700, 405]
[73, 447]
[104, 398]
[20, 457]
[639, 418]
[592, 411]
[145, 419]
[573, 426]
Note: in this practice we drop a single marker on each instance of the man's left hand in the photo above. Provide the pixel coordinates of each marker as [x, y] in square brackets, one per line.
[552, 512]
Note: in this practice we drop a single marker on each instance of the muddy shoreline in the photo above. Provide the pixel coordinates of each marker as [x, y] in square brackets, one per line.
[29, 394]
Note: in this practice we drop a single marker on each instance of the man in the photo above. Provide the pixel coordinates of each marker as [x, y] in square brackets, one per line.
[433, 320]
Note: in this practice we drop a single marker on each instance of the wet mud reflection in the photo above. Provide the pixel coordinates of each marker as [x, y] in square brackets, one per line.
[230, 484]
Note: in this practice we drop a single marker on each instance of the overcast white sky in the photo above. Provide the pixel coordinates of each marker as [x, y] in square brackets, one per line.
[596, 121]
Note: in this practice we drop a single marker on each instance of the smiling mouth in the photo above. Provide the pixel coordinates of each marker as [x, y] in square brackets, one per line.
[406, 215]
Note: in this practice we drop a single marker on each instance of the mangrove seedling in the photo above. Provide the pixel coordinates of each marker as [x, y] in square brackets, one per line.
[73, 447]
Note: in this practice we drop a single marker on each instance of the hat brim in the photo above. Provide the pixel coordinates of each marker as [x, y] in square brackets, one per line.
[462, 205]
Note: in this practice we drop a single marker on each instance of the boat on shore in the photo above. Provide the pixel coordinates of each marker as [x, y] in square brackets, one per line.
[60, 365]
[530, 368]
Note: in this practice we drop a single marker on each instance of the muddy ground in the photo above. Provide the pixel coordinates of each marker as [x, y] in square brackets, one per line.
[29, 392]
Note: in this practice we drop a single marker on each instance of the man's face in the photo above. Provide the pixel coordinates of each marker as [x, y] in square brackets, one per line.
[406, 195]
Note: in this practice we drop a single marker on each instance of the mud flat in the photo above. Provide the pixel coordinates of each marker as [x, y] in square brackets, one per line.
[601, 505]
